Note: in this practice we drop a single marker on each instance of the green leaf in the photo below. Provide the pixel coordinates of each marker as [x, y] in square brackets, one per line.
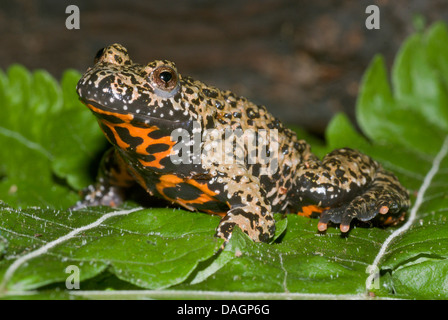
[387, 121]
[414, 256]
[417, 86]
[304, 263]
[3, 245]
[132, 244]
[340, 133]
[49, 140]
[318, 146]
[83, 142]
[426, 278]
[437, 50]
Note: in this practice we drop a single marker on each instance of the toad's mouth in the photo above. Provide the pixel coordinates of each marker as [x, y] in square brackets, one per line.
[115, 115]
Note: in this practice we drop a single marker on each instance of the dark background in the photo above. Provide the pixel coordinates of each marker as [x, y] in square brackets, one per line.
[303, 59]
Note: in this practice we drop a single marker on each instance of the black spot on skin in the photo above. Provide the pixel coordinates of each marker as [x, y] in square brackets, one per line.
[166, 105]
[252, 114]
[214, 206]
[339, 173]
[210, 122]
[286, 170]
[157, 134]
[219, 105]
[157, 147]
[264, 237]
[111, 118]
[277, 123]
[256, 169]
[299, 146]
[327, 175]
[126, 137]
[267, 181]
[118, 59]
[183, 191]
[343, 179]
[147, 157]
[210, 93]
[108, 132]
[177, 97]
[252, 217]
[264, 211]
[166, 163]
[226, 228]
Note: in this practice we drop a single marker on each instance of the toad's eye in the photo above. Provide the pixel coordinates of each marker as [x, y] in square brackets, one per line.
[164, 78]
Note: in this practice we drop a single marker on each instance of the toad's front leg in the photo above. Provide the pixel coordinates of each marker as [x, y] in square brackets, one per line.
[353, 186]
[249, 209]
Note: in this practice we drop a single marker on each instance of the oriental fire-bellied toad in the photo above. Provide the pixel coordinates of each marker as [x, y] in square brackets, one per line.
[149, 111]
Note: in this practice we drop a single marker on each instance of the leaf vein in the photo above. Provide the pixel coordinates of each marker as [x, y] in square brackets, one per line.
[42, 250]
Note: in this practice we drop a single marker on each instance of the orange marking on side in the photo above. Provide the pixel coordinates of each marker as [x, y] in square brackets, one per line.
[123, 117]
[207, 195]
[137, 132]
[307, 211]
[120, 142]
[159, 155]
[201, 186]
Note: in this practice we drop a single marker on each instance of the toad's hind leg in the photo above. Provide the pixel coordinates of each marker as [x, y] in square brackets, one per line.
[384, 196]
[353, 186]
